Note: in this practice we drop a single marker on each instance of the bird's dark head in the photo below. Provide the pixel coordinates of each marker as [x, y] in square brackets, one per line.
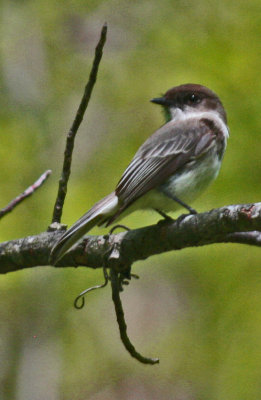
[190, 98]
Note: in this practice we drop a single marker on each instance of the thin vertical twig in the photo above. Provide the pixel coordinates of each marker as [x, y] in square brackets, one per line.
[121, 321]
[66, 170]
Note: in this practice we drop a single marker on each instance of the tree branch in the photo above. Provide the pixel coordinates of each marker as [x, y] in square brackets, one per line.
[28, 192]
[115, 286]
[66, 170]
[230, 224]
[252, 238]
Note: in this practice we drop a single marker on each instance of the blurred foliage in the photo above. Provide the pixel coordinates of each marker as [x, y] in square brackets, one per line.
[198, 309]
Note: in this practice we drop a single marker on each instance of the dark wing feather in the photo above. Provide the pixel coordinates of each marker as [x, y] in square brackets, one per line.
[170, 148]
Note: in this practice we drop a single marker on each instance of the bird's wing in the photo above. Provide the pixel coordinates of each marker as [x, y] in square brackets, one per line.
[169, 149]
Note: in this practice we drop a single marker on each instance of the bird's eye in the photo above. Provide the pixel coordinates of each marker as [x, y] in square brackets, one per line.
[192, 99]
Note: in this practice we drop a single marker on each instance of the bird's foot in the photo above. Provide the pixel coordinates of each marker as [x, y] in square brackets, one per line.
[191, 210]
[166, 217]
[183, 216]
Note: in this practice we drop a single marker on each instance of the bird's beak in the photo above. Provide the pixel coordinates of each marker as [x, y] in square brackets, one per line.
[160, 100]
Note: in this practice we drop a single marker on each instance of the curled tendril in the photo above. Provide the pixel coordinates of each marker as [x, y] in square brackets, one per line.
[119, 226]
[79, 302]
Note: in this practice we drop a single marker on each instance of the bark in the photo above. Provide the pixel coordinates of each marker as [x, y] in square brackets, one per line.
[229, 224]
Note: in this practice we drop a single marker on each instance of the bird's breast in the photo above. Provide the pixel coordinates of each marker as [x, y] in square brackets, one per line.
[193, 179]
[186, 184]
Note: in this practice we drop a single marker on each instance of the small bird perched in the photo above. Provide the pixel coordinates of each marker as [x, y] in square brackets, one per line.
[170, 169]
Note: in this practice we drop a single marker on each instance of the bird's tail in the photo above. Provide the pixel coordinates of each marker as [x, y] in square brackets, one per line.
[97, 215]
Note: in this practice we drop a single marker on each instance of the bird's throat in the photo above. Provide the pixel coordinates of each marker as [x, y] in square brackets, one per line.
[167, 114]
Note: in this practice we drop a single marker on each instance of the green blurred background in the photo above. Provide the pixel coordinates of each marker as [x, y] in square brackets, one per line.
[199, 310]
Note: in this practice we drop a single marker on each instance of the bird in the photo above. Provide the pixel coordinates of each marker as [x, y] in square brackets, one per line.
[170, 169]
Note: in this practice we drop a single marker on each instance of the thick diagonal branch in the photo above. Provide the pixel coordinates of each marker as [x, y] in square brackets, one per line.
[234, 224]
